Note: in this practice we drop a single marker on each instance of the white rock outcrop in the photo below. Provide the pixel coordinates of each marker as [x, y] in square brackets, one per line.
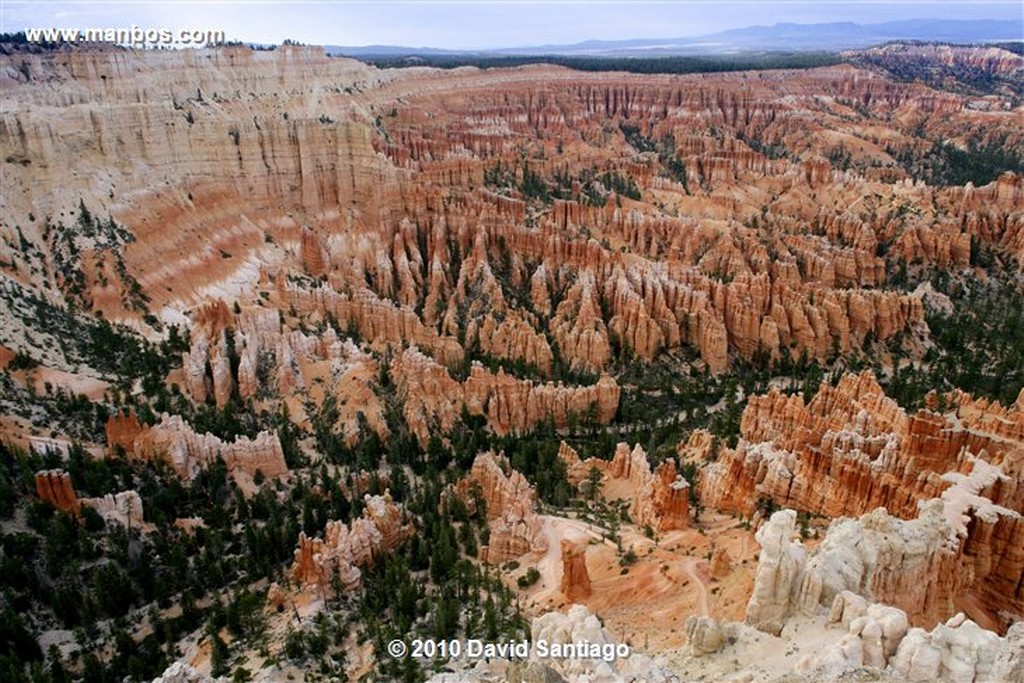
[180, 672]
[704, 635]
[856, 556]
[125, 507]
[960, 651]
[779, 570]
[874, 633]
[577, 626]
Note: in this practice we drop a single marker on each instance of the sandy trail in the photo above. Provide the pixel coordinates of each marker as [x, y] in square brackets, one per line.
[689, 565]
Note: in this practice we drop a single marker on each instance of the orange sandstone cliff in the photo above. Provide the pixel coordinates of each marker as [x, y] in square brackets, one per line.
[852, 452]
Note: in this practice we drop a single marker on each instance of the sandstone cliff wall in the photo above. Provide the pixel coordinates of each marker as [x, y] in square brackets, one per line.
[239, 170]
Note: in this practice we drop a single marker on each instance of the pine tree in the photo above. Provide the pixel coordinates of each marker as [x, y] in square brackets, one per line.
[218, 656]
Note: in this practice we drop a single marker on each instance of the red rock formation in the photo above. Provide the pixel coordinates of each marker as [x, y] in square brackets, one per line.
[624, 459]
[993, 61]
[478, 305]
[510, 503]
[260, 340]
[379, 185]
[851, 450]
[275, 595]
[174, 442]
[988, 417]
[512, 338]
[344, 549]
[579, 328]
[540, 290]
[190, 524]
[575, 469]
[948, 558]
[432, 397]
[817, 172]
[54, 488]
[378, 320]
[433, 400]
[511, 404]
[388, 518]
[279, 363]
[122, 429]
[698, 448]
[659, 499]
[721, 563]
[390, 217]
[575, 577]
[206, 365]
[731, 253]
[312, 254]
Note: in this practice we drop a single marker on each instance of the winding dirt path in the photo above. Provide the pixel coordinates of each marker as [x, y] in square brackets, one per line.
[689, 565]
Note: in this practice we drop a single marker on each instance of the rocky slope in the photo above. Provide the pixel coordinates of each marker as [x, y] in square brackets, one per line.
[279, 202]
[847, 635]
[342, 273]
[347, 180]
[853, 452]
[951, 66]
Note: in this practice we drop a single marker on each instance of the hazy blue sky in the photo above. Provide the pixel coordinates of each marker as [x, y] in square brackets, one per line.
[461, 24]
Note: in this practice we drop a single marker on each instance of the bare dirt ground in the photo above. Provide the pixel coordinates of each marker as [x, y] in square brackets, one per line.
[646, 603]
[91, 387]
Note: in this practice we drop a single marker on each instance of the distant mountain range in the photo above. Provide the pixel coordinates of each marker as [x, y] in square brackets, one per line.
[780, 37]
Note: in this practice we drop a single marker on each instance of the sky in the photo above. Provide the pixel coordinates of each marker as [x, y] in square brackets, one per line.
[462, 24]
